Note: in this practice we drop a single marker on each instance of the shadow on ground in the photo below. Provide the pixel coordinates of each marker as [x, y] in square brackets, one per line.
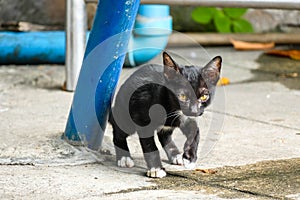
[277, 69]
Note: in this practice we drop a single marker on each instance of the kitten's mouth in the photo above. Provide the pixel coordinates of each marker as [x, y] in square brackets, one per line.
[188, 113]
[193, 114]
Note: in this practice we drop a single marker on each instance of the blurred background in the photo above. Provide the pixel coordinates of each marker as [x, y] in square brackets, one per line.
[51, 14]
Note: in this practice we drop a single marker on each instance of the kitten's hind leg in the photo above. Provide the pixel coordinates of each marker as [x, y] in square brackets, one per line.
[152, 158]
[165, 138]
[122, 151]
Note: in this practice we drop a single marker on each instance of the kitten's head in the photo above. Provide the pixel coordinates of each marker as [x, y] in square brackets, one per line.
[192, 87]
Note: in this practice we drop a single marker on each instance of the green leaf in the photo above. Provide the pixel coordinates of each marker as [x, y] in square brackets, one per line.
[222, 22]
[235, 13]
[203, 15]
[241, 26]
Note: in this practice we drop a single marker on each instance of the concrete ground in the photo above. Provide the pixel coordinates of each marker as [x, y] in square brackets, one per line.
[255, 118]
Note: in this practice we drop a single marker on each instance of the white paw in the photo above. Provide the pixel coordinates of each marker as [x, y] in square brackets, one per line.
[156, 173]
[125, 162]
[189, 165]
[177, 160]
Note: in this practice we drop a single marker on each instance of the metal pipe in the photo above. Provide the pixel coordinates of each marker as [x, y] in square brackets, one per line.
[76, 26]
[271, 4]
[177, 39]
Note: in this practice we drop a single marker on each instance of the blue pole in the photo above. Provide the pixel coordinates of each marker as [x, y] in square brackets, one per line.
[102, 64]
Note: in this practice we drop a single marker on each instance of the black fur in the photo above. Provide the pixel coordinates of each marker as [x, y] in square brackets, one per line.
[163, 96]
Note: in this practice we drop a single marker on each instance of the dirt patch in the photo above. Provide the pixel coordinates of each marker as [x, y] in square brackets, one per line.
[278, 69]
[263, 180]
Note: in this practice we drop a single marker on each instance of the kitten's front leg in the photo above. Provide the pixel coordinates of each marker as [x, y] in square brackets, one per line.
[152, 158]
[165, 138]
[191, 130]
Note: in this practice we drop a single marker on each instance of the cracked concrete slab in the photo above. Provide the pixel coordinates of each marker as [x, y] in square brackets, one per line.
[250, 121]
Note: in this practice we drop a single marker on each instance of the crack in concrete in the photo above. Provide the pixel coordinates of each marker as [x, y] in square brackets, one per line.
[254, 120]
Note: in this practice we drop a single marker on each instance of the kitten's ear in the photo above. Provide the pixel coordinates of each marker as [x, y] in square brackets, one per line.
[211, 72]
[171, 68]
[169, 62]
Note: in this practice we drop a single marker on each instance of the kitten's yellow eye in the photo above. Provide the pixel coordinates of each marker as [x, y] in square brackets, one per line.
[182, 97]
[204, 97]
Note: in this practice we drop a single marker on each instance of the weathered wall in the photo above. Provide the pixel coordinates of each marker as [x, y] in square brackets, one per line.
[45, 12]
[48, 12]
[263, 20]
[274, 20]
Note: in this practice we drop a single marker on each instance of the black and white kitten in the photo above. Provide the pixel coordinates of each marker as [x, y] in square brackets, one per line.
[161, 98]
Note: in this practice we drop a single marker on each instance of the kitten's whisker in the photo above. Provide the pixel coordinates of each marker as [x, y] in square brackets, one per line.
[175, 114]
[178, 115]
[172, 114]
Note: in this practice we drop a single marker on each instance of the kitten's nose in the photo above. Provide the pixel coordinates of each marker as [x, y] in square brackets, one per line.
[195, 111]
